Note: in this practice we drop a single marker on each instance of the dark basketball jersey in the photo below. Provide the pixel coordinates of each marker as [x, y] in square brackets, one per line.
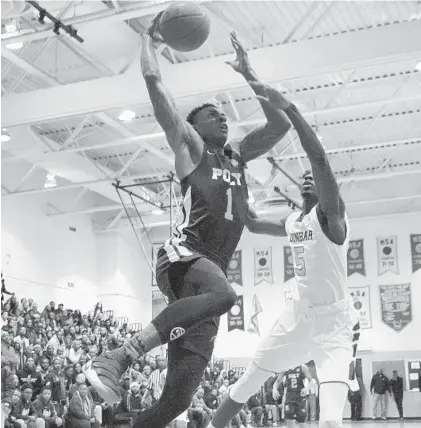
[294, 383]
[214, 208]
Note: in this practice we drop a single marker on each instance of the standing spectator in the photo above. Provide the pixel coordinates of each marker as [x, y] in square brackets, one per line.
[313, 392]
[81, 409]
[44, 408]
[97, 310]
[24, 410]
[22, 339]
[378, 387]
[57, 340]
[396, 386]
[157, 378]
[4, 319]
[56, 381]
[3, 290]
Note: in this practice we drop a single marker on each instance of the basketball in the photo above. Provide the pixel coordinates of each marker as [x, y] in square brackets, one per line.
[184, 27]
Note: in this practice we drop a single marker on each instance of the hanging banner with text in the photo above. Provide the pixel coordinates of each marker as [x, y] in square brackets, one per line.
[355, 257]
[235, 315]
[361, 296]
[387, 251]
[396, 305]
[263, 265]
[159, 302]
[288, 264]
[416, 252]
[155, 247]
[234, 270]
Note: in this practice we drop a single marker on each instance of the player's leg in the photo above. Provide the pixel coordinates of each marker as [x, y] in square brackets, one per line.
[185, 371]
[290, 412]
[285, 346]
[333, 396]
[202, 292]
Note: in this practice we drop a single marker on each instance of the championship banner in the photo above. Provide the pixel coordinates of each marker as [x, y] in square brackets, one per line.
[387, 254]
[235, 316]
[234, 271]
[355, 257]
[159, 302]
[288, 264]
[256, 308]
[361, 296]
[155, 247]
[416, 252]
[396, 305]
[263, 265]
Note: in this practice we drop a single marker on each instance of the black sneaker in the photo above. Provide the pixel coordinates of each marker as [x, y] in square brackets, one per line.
[104, 372]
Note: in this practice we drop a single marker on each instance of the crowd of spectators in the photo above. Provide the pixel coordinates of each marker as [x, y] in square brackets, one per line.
[42, 384]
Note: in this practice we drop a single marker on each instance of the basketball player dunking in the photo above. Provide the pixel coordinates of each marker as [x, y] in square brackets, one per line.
[191, 266]
[320, 323]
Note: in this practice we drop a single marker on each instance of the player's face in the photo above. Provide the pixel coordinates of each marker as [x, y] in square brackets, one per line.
[211, 124]
[308, 188]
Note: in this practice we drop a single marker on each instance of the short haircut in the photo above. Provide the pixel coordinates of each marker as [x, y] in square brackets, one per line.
[27, 386]
[46, 388]
[192, 115]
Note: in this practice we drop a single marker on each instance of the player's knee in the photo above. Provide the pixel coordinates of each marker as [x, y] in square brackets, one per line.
[227, 299]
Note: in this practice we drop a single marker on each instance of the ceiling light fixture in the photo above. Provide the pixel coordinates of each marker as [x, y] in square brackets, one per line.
[5, 136]
[50, 181]
[127, 115]
[157, 211]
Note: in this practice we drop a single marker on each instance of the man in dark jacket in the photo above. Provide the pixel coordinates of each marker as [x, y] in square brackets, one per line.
[31, 376]
[396, 385]
[44, 409]
[378, 387]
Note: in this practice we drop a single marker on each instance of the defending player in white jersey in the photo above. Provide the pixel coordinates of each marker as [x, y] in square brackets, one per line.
[319, 323]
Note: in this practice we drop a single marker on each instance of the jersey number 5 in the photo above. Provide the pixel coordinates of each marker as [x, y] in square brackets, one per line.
[299, 263]
[228, 212]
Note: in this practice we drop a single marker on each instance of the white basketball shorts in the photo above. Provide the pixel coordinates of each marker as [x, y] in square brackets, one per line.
[325, 334]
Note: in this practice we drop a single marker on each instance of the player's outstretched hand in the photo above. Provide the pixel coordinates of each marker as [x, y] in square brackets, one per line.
[272, 96]
[153, 30]
[241, 63]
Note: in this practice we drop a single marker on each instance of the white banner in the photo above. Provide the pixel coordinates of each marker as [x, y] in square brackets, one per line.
[387, 254]
[362, 304]
[263, 265]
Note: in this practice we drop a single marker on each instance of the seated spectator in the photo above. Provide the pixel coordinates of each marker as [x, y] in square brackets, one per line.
[199, 413]
[81, 409]
[75, 352]
[24, 411]
[44, 408]
[130, 405]
[29, 375]
[212, 400]
[256, 409]
[80, 380]
[8, 385]
[50, 353]
[57, 340]
[44, 368]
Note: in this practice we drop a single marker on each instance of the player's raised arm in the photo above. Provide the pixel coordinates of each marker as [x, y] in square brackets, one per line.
[178, 131]
[264, 226]
[307, 372]
[263, 138]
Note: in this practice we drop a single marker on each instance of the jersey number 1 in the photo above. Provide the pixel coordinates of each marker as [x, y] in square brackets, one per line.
[228, 212]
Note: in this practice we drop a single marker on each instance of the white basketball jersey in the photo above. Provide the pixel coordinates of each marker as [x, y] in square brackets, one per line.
[320, 265]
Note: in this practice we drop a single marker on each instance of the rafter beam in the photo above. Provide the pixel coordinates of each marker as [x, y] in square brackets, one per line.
[286, 62]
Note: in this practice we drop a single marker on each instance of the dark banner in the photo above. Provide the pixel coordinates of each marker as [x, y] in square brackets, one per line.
[235, 316]
[158, 302]
[288, 264]
[396, 305]
[416, 252]
[234, 271]
[355, 257]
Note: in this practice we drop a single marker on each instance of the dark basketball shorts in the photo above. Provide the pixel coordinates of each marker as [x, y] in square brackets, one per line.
[296, 409]
[171, 269]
